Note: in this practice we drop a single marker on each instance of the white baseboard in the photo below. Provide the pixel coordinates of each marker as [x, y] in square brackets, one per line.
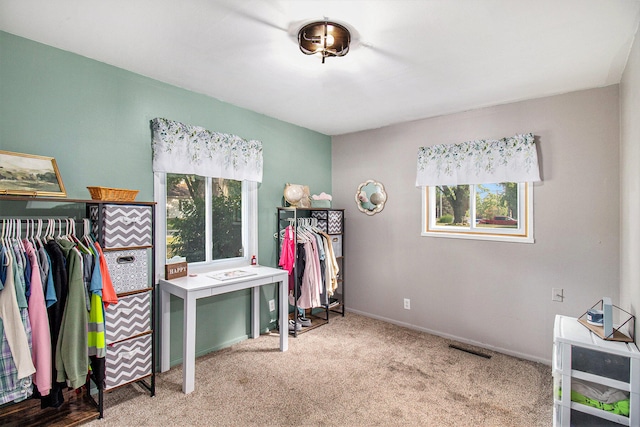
[454, 338]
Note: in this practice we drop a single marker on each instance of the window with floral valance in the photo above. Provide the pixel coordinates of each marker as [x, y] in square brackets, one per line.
[512, 159]
[187, 149]
[206, 190]
[479, 189]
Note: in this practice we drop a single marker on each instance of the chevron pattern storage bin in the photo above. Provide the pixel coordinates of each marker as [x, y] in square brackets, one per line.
[131, 316]
[123, 226]
[128, 361]
[321, 216]
[129, 269]
[334, 222]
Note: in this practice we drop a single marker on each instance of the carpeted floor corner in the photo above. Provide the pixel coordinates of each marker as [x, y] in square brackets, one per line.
[355, 371]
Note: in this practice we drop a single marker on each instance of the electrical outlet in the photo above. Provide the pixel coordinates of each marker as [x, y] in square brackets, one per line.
[557, 294]
[272, 305]
[407, 304]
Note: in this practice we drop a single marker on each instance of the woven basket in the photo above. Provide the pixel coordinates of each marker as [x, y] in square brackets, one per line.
[112, 194]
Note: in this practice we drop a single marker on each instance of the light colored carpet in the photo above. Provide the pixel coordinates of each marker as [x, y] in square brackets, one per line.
[355, 371]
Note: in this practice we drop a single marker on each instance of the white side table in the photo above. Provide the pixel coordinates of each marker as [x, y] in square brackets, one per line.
[191, 289]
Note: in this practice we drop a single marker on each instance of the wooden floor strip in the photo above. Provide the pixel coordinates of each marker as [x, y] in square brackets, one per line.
[77, 409]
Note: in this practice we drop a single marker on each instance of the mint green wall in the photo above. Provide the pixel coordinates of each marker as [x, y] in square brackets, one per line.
[94, 119]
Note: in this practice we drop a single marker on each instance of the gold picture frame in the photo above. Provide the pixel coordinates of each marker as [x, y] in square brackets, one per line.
[30, 175]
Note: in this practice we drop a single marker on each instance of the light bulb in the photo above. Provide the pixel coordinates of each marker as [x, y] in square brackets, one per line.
[330, 40]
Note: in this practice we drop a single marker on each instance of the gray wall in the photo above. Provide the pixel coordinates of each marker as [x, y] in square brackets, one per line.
[493, 294]
[630, 183]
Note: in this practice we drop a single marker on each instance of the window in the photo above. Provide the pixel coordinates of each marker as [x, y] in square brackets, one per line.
[206, 220]
[206, 189]
[501, 211]
[480, 189]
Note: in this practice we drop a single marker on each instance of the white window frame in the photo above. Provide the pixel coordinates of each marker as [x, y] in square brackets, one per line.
[249, 228]
[522, 234]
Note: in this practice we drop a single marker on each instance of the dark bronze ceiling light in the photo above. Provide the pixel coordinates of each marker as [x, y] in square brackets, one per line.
[325, 38]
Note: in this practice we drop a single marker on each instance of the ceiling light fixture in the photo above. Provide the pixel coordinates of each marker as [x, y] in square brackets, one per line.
[324, 37]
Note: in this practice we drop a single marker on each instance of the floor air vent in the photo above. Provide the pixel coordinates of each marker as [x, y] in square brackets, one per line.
[466, 350]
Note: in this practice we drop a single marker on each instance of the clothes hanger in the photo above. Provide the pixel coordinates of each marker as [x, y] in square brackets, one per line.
[300, 233]
[63, 235]
[86, 236]
[17, 237]
[32, 237]
[39, 234]
[52, 229]
[6, 232]
[59, 236]
[303, 229]
[27, 228]
[5, 259]
[71, 223]
[47, 233]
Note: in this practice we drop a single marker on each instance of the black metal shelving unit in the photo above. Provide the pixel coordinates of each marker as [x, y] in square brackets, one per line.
[289, 216]
[87, 407]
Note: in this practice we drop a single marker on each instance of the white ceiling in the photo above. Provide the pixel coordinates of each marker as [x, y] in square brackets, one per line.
[411, 59]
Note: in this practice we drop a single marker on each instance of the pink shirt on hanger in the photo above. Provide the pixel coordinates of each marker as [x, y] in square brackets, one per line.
[40, 335]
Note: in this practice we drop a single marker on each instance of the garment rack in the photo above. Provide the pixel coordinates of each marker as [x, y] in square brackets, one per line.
[56, 226]
[296, 221]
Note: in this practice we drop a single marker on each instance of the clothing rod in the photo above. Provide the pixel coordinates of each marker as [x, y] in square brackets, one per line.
[41, 218]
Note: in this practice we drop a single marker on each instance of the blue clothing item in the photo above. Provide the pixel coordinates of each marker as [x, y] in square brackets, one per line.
[320, 242]
[27, 276]
[96, 277]
[87, 272]
[3, 266]
[50, 296]
[18, 268]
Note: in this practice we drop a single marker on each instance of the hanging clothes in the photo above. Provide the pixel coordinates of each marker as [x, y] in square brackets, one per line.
[72, 358]
[41, 337]
[332, 268]
[97, 339]
[47, 278]
[311, 287]
[316, 266]
[287, 253]
[16, 365]
[324, 299]
[288, 256]
[52, 312]
[310, 282]
[56, 310]
[109, 295]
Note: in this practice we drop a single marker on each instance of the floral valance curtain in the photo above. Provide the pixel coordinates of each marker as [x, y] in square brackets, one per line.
[512, 159]
[186, 149]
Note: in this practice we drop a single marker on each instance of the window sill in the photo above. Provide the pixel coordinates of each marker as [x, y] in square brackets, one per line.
[478, 236]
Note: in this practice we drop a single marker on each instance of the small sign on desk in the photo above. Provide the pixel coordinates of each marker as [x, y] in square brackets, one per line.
[175, 270]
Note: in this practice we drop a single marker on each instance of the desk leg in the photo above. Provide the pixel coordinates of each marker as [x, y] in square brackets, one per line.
[165, 330]
[189, 345]
[255, 312]
[284, 315]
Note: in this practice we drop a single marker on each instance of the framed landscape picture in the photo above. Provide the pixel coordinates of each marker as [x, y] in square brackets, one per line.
[29, 175]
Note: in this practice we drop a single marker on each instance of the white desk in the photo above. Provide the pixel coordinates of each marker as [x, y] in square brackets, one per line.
[202, 286]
